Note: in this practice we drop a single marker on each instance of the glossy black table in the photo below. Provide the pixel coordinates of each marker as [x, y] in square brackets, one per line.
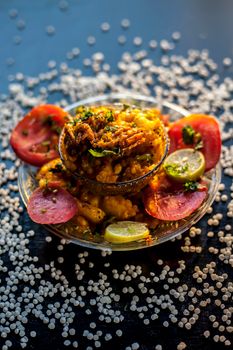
[39, 32]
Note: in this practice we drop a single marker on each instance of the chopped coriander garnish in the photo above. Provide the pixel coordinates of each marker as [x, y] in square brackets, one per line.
[144, 157]
[74, 121]
[188, 134]
[176, 169]
[103, 153]
[191, 137]
[86, 115]
[96, 153]
[191, 185]
[110, 128]
[56, 128]
[52, 123]
[125, 107]
[109, 116]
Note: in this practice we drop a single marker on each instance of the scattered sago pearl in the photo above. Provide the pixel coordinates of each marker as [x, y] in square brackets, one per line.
[50, 30]
[125, 23]
[137, 41]
[157, 295]
[227, 61]
[105, 27]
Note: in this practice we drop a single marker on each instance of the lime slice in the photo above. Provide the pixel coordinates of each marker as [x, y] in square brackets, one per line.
[185, 165]
[125, 231]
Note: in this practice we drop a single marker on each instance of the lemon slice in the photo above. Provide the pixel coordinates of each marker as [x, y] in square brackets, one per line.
[125, 231]
[185, 165]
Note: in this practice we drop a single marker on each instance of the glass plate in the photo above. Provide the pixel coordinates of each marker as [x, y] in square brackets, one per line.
[166, 230]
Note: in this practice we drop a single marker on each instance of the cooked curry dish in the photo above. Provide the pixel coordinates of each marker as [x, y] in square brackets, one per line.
[112, 144]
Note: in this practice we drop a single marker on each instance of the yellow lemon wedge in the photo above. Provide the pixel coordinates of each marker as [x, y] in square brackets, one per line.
[125, 231]
[185, 165]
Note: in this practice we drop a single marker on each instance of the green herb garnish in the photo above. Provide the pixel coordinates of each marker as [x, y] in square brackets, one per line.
[191, 186]
[188, 134]
[103, 153]
[191, 137]
[125, 107]
[86, 115]
[74, 121]
[110, 128]
[144, 157]
[176, 169]
[56, 128]
[109, 116]
[53, 124]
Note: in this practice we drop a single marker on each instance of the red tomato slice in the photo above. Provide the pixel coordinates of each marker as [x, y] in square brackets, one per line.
[172, 203]
[52, 207]
[35, 137]
[208, 127]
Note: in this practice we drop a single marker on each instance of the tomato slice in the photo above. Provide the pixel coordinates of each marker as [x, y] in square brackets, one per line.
[171, 202]
[53, 207]
[35, 137]
[208, 128]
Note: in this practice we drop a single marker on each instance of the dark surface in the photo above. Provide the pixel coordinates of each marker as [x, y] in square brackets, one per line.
[203, 24]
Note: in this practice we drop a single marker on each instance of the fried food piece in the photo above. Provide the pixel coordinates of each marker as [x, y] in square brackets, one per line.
[101, 137]
[90, 198]
[125, 138]
[92, 214]
[107, 174]
[52, 172]
[119, 207]
[80, 221]
[83, 132]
